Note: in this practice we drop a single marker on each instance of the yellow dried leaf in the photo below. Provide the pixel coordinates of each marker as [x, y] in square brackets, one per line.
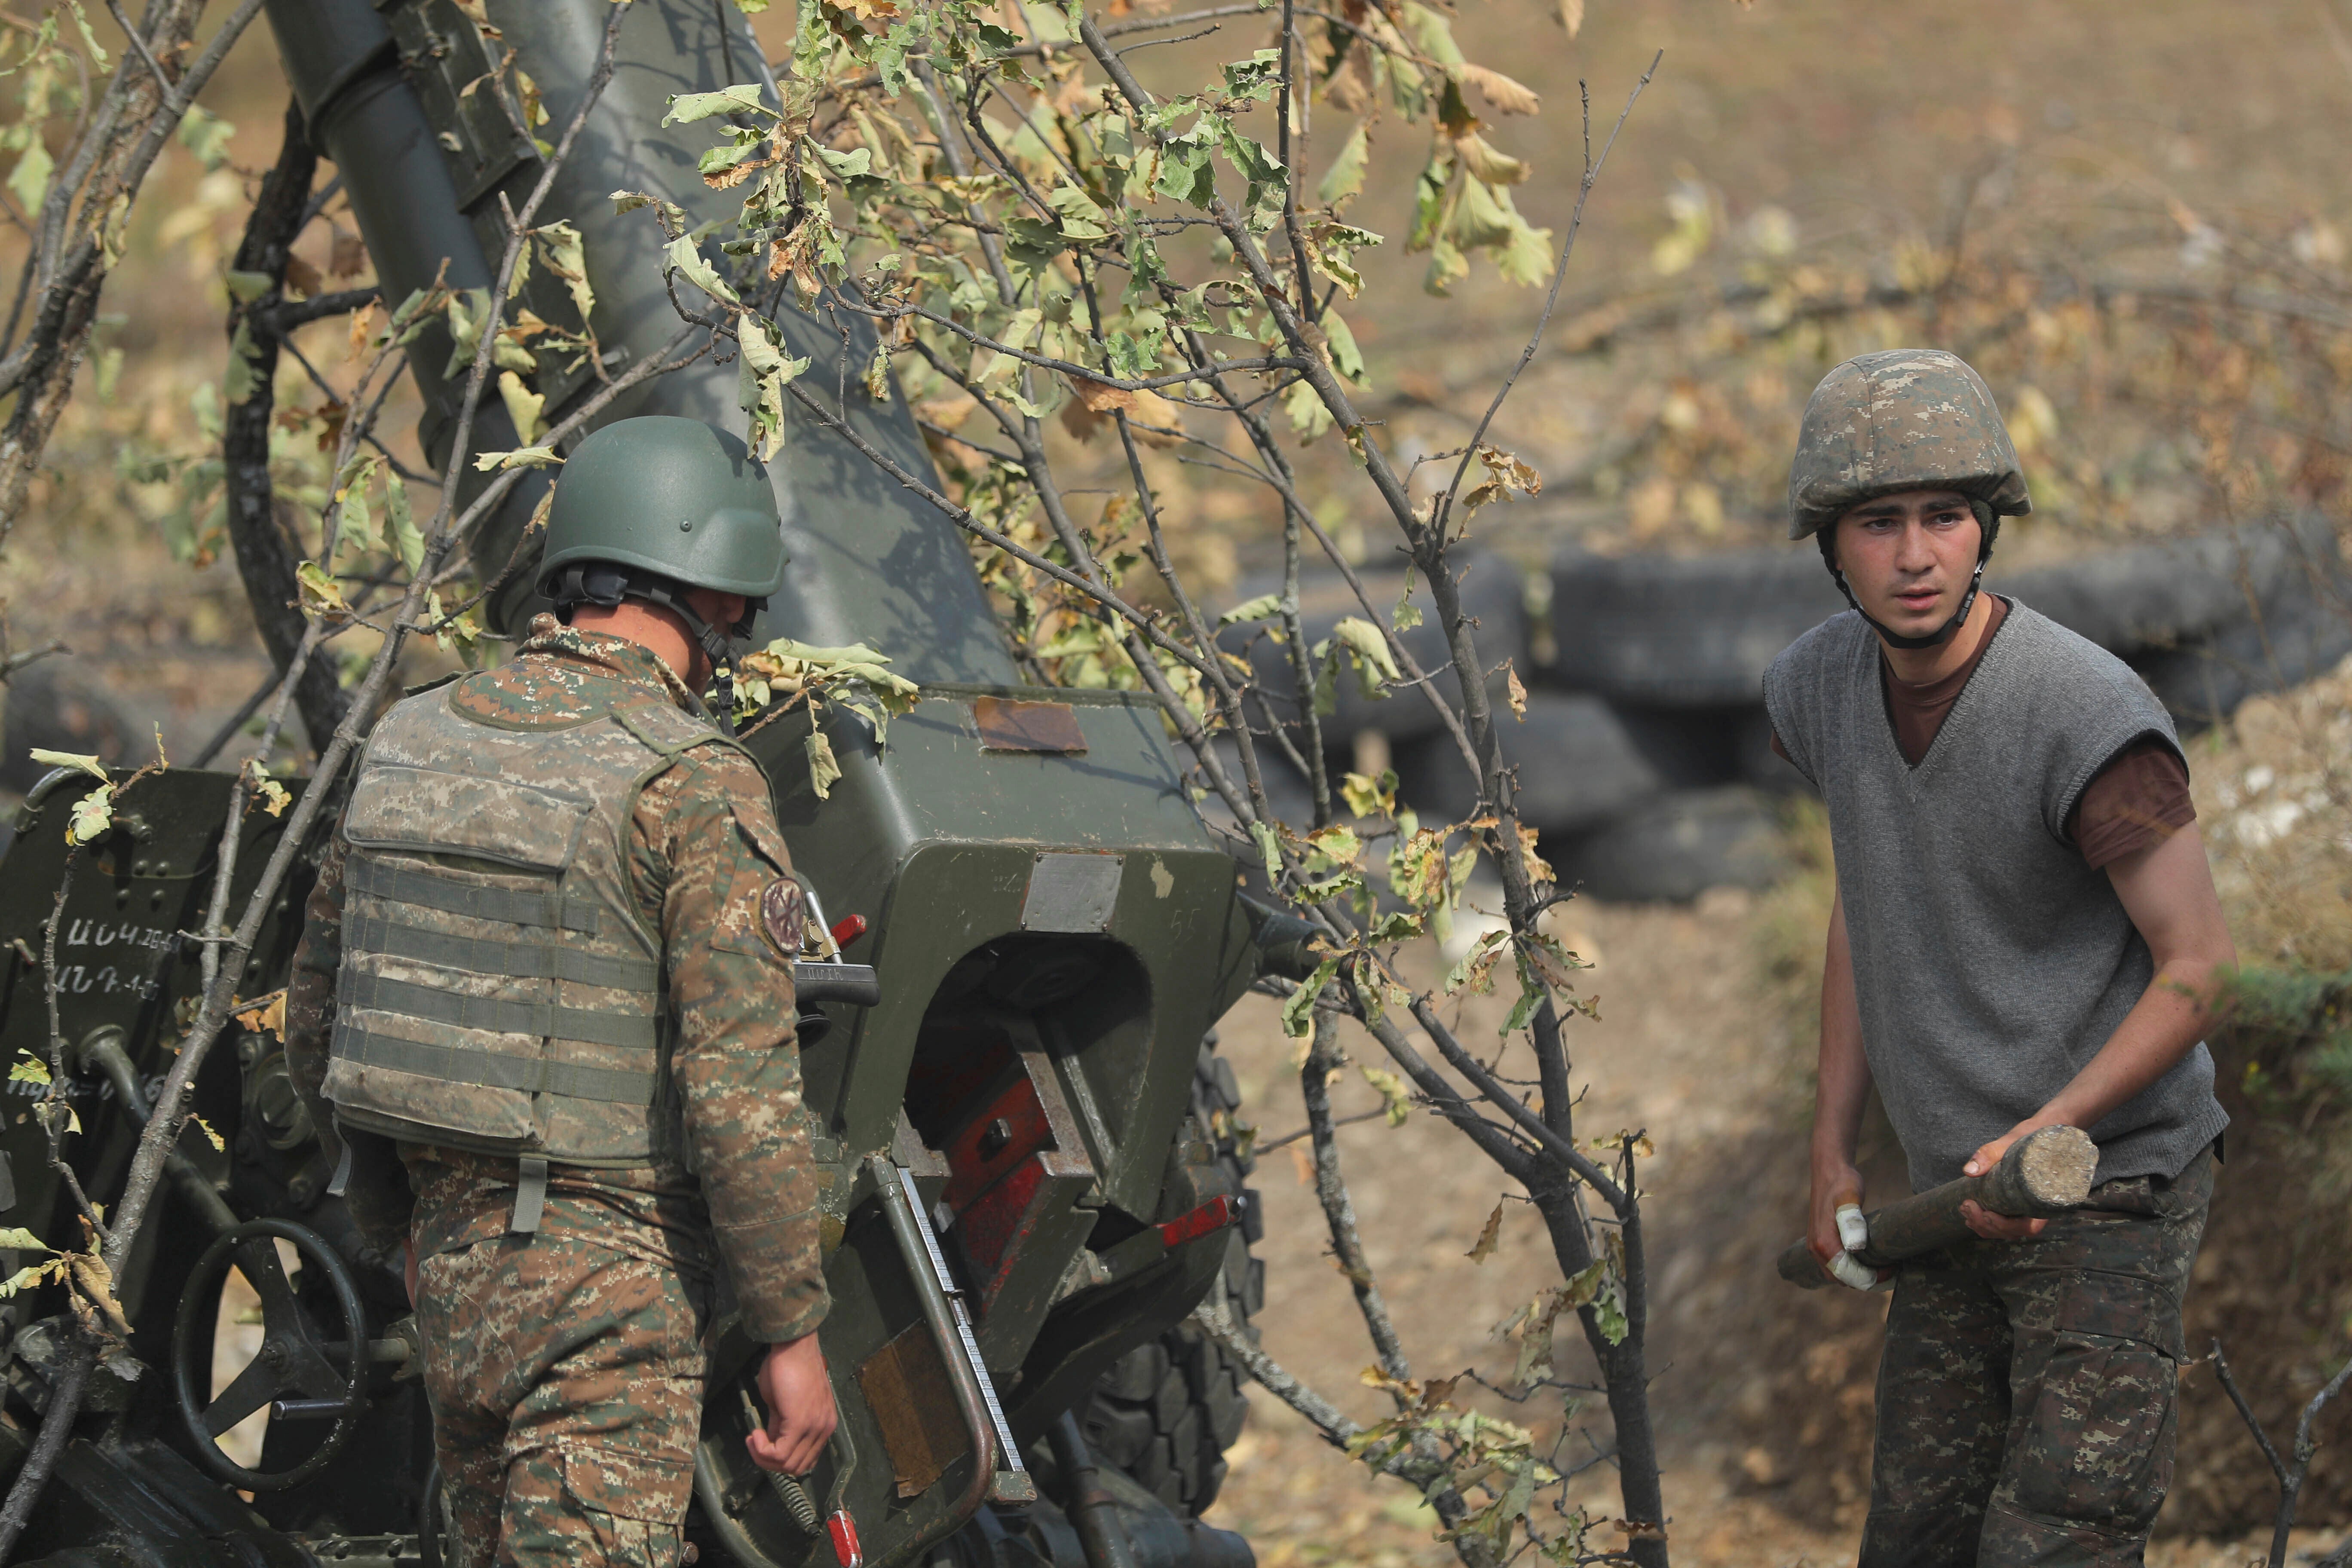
[1486, 161]
[1507, 96]
[1154, 419]
[1516, 692]
[263, 1015]
[1539, 869]
[1490, 1237]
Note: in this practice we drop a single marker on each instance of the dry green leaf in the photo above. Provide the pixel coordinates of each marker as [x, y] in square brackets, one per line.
[560, 246]
[407, 539]
[1369, 796]
[523, 406]
[743, 98]
[1396, 1100]
[1265, 607]
[823, 767]
[322, 596]
[1376, 667]
[685, 257]
[1488, 163]
[92, 817]
[88, 764]
[520, 458]
[1345, 178]
[27, 1278]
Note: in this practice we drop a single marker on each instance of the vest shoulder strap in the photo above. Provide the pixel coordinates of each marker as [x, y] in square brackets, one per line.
[666, 730]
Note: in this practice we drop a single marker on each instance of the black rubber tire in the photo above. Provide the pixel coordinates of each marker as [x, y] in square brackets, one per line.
[1679, 845]
[1166, 1412]
[1700, 632]
[56, 705]
[2178, 591]
[1697, 632]
[1579, 764]
[2303, 632]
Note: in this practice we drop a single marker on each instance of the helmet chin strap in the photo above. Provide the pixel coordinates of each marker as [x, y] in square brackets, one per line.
[608, 585]
[718, 646]
[1988, 525]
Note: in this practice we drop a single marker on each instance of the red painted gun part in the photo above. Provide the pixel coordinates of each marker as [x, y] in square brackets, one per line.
[844, 1531]
[847, 929]
[1213, 1215]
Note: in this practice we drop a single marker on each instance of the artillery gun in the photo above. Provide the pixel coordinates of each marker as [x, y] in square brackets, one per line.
[1028, 1187]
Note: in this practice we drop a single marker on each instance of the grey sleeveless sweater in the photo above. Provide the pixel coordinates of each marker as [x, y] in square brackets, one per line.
[1991, 961]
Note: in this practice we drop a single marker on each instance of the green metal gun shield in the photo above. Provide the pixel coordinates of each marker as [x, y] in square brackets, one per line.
[1903, 419]
[675, 496]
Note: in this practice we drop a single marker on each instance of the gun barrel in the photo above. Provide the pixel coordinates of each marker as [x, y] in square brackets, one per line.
[387, 90]
[2046, 1172]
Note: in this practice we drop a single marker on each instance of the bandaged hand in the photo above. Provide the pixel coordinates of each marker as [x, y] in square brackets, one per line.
[1853, 1233]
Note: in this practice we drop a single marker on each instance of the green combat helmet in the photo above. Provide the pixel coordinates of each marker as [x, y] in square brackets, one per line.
[1903, 419]
[652, 507]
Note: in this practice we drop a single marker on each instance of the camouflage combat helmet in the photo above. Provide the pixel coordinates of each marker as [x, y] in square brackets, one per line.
[653, 507]
[1903, 419]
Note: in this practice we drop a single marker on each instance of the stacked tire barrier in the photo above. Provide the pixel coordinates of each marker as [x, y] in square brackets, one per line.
[1644, 758]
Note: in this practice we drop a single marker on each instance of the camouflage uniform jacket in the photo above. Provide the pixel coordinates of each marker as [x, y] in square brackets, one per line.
[704, 850]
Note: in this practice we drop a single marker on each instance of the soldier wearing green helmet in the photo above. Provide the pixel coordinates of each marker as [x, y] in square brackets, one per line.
[545, 997]
[2025, 934]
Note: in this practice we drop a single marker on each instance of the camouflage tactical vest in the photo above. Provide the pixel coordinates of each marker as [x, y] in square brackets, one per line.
[499, 991]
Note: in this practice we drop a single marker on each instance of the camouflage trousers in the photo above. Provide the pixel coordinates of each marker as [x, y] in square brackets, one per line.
[2028, 1397]
[566, 1384]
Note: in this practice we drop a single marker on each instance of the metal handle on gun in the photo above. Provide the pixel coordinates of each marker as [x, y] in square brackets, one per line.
[999, 1477]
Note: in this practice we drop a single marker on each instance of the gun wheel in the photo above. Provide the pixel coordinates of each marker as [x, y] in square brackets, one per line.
[1166, 1412]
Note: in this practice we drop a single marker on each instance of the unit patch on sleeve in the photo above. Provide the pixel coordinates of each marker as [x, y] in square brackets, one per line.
[784, 916]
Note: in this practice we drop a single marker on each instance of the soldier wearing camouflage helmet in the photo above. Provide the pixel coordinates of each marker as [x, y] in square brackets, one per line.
[545, 995]
[2025, 934]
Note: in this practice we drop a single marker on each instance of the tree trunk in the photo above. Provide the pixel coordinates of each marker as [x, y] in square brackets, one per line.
[265, 556]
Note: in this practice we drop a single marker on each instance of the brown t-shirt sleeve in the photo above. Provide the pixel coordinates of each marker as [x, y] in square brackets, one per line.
[2139, 799]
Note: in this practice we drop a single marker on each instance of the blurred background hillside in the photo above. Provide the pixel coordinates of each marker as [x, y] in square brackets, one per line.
[2136, 220]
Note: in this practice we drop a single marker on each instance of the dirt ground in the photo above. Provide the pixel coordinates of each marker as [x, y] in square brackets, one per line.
[1690, 1047]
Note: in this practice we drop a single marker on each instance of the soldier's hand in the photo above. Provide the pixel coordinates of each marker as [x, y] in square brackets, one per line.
[1983, 1221]
[800, 1414]
[1998, 1226]
[1837, 1225]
